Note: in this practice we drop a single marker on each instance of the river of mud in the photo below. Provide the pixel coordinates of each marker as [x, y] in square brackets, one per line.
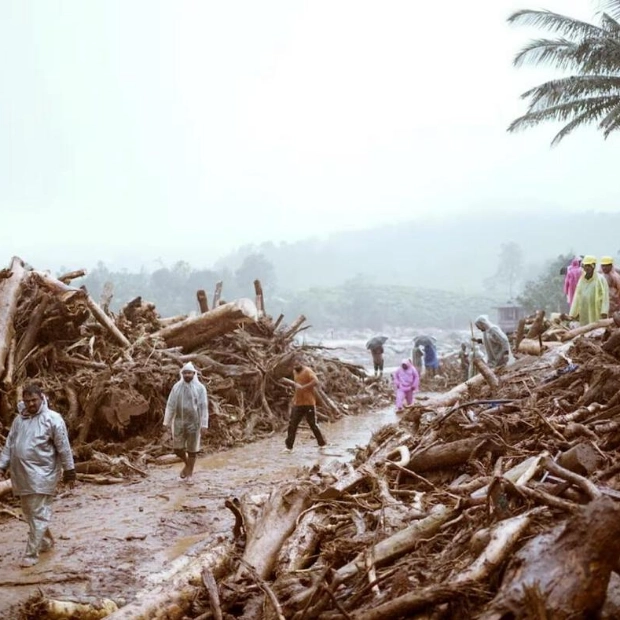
[113, 540]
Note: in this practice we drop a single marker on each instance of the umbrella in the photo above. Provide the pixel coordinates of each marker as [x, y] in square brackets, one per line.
[375, 342]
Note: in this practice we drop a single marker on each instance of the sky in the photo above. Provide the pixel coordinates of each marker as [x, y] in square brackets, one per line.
[141, 131]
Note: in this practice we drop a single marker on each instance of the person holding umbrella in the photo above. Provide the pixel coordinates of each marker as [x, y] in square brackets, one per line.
[375, 345]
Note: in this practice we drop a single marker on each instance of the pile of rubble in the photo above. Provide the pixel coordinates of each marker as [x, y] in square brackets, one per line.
[497, 499]
[110, 374]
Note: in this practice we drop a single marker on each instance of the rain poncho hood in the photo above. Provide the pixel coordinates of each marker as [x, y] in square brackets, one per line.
[37, 449]
[430, 350]
[573, 273]
[591, 299]
[197, 392]
[406, 379]
[495, 342]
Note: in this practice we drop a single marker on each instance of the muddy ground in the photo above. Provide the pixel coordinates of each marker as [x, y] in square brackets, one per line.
[113, 540]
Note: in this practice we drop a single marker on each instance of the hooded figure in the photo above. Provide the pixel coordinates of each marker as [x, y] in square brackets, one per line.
[406, 383]
[591, 301]
[37, 451]
[187, 411]
[431, 361]
[571, 279]
[495, 342]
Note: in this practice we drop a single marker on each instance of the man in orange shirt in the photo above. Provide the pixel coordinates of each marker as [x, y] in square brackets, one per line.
[304, 403]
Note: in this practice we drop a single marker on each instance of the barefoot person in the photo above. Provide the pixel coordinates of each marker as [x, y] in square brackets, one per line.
[304, 403]
[187, 412]
[36, 451]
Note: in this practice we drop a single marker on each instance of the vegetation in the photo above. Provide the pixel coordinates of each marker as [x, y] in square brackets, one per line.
[592, 53]
[547, 291]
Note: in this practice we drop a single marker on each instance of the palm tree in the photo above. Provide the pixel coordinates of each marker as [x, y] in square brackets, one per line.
[592, 53]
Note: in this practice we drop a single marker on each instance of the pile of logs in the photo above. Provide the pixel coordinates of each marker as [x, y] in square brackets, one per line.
[498, 499]
[110, 375]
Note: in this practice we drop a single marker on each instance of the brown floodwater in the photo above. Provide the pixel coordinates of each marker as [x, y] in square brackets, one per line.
[112, 540]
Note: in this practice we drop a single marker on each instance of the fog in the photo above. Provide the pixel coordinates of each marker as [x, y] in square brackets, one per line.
[142, 133]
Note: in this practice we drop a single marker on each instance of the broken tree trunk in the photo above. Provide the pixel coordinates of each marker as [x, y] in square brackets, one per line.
[28, 340]
[10, 288]
[195, 331]
[489, 376]
[203, 302]
[569, 566]
[260, 298]
[107, 322]
[217, 294]
[172, 599]
[267, 529]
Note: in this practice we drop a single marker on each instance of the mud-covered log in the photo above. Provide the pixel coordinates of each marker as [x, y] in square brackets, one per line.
[535, 347]
[453, 454]
[28, 340]
[10, 288]
[53, 609]
[107, 322]
[569, 566]
[195, 331]
[171, 599]
[267, 529]
[489, 376]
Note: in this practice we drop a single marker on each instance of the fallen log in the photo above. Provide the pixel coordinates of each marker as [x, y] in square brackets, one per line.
[570, 566]
[489, 376]
[453, 454]
[10, 288]
[584, 329]
[172, 599]
[503, 539]
[28, 340]
[268, 528]
[535, 347]
[107, 322]
[195, 331]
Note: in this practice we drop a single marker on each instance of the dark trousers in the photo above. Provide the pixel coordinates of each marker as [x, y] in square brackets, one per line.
[298, 413]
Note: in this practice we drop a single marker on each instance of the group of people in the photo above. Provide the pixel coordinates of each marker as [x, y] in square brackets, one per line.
[38, 453]
[592, 294]
[406, 378]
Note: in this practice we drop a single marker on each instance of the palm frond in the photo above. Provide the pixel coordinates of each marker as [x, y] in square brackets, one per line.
[568, 89]
[580, 112]
[611, 122]
[601, 54]
[555, 22]
[609, 23]
[611, 6]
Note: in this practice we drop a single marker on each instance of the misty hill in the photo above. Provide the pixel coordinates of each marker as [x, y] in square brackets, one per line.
[455, 254]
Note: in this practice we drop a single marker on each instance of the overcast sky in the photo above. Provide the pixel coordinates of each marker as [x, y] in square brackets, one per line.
[141, 130]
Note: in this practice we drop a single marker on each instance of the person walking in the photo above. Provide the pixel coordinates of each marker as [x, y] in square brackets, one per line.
[591, 300]
[406, 384]
[36, 451]
[187, 413]
[304, 405]
[377, 359]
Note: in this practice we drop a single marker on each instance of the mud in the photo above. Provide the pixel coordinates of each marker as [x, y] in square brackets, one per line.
[113, 540]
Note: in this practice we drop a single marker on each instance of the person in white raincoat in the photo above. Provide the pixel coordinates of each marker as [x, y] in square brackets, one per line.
[495, 341]
[187, 412]
[37, 449]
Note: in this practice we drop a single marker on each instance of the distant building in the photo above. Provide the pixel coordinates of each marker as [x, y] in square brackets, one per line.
[508, 317]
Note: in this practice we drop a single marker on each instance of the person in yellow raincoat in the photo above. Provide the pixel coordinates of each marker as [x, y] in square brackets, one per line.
[591, 300]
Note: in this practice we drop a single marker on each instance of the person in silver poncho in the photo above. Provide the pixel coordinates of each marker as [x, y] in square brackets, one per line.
[495, 342]
[37, 449]
[187, 412]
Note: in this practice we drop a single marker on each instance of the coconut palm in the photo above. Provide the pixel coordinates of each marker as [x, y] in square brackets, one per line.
[591, 53]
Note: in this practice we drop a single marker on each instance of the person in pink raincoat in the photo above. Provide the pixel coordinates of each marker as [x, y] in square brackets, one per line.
[406, 383]
[573, 273]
